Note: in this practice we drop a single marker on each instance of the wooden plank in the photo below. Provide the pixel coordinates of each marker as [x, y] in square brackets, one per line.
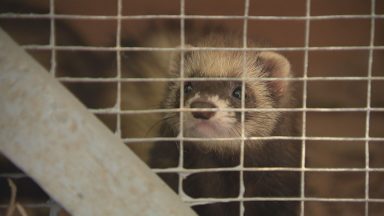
[52, 137]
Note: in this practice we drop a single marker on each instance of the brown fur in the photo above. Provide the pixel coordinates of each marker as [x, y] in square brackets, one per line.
[208, 154]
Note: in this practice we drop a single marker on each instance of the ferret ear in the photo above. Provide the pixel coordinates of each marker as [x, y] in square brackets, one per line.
[275, 65]
[174, 66]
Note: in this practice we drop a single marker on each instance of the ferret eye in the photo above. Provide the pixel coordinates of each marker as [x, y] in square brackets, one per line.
[237, 93]
[187, 87]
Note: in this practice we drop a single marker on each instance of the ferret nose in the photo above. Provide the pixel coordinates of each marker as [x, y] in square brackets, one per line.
[203, 114]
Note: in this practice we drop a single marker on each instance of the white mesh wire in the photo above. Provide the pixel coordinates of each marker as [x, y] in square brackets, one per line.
[119, 79]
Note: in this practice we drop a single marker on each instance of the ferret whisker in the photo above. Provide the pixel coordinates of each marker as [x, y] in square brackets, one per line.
[158, 122]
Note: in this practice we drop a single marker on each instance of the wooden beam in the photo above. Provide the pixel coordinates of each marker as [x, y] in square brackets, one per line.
[53, 138]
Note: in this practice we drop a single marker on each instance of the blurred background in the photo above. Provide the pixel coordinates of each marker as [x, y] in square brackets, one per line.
[340, 48]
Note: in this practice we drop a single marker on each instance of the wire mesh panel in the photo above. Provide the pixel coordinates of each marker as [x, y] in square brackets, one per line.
[116, 57]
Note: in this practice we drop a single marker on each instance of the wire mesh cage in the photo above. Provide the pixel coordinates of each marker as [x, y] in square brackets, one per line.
[116, 56]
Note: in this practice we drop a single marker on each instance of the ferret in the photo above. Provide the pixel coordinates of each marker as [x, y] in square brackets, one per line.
[218, 96]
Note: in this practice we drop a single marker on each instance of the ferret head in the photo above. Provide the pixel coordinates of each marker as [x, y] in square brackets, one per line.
[221, 95]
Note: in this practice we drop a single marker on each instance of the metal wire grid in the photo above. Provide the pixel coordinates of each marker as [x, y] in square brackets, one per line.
[53, 47]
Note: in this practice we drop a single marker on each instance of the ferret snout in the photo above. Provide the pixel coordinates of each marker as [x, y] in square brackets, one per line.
[205, 115]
